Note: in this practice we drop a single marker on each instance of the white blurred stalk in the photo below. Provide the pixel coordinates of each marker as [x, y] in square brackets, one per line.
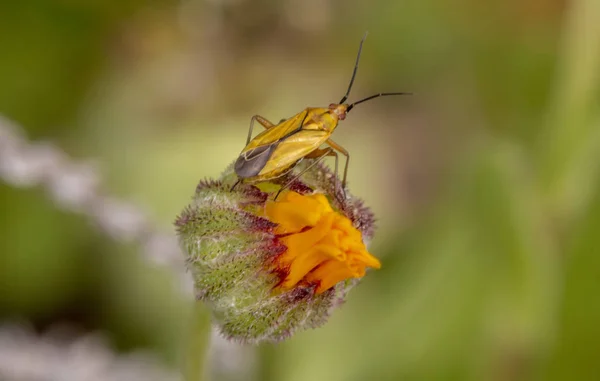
[76, 187]
[55, 356]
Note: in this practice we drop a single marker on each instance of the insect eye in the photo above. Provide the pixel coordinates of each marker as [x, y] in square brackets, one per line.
[333, 106]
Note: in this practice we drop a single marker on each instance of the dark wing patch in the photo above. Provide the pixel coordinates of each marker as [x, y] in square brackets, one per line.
[250, 163]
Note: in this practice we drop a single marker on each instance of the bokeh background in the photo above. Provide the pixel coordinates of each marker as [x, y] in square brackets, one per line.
[485, 183]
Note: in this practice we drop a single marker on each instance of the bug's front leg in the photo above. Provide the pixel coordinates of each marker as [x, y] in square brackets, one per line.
[260, 119]
[343, 151]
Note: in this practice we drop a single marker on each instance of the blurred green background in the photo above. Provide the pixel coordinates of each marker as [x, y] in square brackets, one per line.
[485, 182]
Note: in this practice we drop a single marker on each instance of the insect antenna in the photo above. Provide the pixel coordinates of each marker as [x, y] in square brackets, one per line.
[355, 69]
[372, 97]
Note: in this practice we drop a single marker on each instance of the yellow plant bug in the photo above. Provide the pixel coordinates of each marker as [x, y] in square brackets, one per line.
[275, 151]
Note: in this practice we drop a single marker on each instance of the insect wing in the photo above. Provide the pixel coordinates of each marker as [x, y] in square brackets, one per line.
[251, 163]
[293, 148]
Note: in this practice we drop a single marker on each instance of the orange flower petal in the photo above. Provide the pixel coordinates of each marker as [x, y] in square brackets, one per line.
[322, 245]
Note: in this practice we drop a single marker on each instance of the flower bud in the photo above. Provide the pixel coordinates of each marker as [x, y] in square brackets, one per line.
[268, 267]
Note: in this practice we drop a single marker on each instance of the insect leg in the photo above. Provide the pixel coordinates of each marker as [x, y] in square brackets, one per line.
[343, 151]
[319, 154]
[235, 185]
[262, 120]
[328, 152]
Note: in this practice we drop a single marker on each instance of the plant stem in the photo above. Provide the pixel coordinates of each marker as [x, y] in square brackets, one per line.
[197, 344]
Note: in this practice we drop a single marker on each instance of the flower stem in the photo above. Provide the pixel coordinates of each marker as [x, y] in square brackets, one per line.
[570, 144]
[198, 340]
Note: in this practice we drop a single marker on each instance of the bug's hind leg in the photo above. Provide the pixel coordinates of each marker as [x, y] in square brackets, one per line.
[319, 155]
[260, 119]
[235, 185]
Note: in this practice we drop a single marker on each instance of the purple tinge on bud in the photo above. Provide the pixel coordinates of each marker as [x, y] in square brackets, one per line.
[258, 288]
